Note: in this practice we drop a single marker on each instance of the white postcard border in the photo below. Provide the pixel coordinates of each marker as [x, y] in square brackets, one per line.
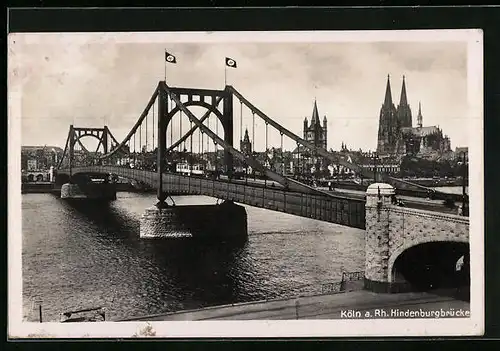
[294, 328]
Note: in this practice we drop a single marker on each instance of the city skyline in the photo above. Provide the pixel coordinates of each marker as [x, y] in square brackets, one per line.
[111, 82]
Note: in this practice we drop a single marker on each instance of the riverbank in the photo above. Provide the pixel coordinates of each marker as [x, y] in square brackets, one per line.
[438, 193]
[47, 187]
[34, 188]
[334, 306]
[409, 201]
[427, 182]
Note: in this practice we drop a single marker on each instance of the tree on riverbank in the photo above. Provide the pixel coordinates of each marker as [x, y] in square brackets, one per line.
[419, 167]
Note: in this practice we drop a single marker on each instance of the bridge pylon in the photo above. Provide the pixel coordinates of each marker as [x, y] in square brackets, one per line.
[75, 134]
[208, 99]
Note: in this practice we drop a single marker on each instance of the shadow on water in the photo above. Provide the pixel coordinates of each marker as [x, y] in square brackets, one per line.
[182, 272]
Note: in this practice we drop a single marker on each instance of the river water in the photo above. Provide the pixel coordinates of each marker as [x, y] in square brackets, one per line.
[74, 259]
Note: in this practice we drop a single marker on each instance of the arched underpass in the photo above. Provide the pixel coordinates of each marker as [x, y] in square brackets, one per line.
[441, 267]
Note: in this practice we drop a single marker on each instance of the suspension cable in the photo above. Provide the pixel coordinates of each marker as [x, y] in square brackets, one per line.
[267, 153]
[282, 158]
[216, 146]
[202, 146]
[241, 120]
[191, 147]
[171, 122]
[140, 144]
[154, 128]
[299, 173]
[199, 144]
[253, 131]
[208, 142]
[215, 162]
[180, 130]
[266, 136]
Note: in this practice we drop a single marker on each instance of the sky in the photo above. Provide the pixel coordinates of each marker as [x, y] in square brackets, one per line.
[92, 82]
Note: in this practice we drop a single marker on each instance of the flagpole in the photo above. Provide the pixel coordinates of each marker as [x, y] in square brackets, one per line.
[225, 74]
[165, 66]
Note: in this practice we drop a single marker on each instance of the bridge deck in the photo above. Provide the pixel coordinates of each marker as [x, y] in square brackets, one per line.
[329, 208]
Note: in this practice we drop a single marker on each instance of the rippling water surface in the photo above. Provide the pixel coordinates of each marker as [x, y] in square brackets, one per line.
[78, 258]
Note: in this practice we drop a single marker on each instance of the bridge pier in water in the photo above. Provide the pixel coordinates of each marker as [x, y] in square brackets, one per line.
[82, 187]
[226, 220]
[221, 221]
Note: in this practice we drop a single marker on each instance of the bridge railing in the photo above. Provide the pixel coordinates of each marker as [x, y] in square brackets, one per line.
[346, 211]
[350, 212]
[350, 281]
[341, 210]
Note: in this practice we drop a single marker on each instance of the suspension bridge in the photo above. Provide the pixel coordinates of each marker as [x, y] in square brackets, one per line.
[144, 156]
[150, 154]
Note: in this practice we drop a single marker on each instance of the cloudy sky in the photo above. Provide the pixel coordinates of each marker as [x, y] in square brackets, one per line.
[89, 82]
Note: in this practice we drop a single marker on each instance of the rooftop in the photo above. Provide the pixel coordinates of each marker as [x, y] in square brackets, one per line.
[46, 147]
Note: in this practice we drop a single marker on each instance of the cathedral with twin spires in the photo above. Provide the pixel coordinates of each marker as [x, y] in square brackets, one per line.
[396, 134]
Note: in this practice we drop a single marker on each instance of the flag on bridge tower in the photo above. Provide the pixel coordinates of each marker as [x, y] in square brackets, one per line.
[230, 62]
[170, 58]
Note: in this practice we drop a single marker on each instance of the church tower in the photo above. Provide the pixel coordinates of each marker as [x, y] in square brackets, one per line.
[388, 126]
[419, 116]
[404, 111]
[324, 131]
[246, 144]
[316, 133]
[306, 127]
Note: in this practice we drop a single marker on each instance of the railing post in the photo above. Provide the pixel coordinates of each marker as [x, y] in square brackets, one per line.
[71, 149]
[315, 207]
[263, 197]
[245, 192]
[284, 200]
[301, 199]
[465, 202]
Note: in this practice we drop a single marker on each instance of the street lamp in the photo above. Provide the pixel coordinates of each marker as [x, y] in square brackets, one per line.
[375, 159]
[465, 203]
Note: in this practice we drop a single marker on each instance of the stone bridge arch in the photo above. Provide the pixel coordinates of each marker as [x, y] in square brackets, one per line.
[406, 240]
[433, 265]
[392, 276]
